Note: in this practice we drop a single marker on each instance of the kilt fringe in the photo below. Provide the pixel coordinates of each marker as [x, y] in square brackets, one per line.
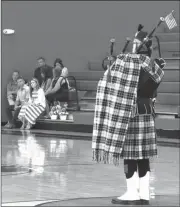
[101, 156]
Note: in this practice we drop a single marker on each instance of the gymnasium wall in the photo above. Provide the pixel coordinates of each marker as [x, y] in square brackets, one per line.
[77, 32]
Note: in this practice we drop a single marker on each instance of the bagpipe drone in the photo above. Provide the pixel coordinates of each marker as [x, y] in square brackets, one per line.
[147, 42]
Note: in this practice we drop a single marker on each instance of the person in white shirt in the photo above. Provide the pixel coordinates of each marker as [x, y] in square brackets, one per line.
[35, 106]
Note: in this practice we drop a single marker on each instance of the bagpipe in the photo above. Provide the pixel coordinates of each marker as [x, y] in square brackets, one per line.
[110, 58]
[171, 23]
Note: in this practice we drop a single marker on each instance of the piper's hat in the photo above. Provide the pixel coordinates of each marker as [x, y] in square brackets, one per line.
[140, 35]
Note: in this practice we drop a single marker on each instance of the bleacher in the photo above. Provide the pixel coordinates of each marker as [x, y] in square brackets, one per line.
[167, 106]
[168, 92]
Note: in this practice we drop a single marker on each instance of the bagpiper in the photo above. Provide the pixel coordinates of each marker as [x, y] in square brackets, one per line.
[124, 118]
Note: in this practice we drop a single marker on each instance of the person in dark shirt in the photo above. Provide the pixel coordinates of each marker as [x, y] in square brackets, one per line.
[43, 68]
[58, 90]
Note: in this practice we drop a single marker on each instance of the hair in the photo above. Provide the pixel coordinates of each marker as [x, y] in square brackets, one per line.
[57, 72]
[16, 71]
[20, 78]
[45, 75]
[38, 86]
[58, 60]
[41, 58]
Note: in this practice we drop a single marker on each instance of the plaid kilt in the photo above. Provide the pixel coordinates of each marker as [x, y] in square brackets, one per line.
[140, 142]
[117, 131]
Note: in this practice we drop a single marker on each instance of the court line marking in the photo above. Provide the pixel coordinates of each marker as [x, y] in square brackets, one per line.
[88, 198]
[28, 203]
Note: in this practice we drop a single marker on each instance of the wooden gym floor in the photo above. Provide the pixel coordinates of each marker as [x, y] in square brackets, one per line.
[63, 171]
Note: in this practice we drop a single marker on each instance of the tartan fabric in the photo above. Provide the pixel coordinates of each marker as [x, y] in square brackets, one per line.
[140, 142]
[116, 105]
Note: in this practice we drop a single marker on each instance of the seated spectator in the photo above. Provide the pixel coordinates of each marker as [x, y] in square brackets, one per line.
[12, 88]
[35, 106]
[42, 69]
[46, 81]
[58, 90]
[58, 64]
[21, 99]
[64, 71]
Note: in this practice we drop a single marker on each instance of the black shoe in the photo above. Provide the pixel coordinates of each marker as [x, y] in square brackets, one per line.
[6, 126]
[11, 126]
[144, 202]
[126, 202]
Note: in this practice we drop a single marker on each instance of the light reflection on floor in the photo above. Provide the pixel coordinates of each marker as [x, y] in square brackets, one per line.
[63, 169]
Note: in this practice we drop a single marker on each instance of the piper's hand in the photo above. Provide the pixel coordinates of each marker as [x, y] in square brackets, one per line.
[146, 39]
[161, 62]
[153, 101]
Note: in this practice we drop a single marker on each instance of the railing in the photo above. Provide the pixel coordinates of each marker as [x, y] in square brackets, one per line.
[71, 91]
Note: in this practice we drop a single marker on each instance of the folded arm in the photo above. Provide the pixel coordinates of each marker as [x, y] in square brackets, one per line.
[48, 84]
[56, 87]
[41, 98]
[17, 103]
[27, 95]
[49, 89]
